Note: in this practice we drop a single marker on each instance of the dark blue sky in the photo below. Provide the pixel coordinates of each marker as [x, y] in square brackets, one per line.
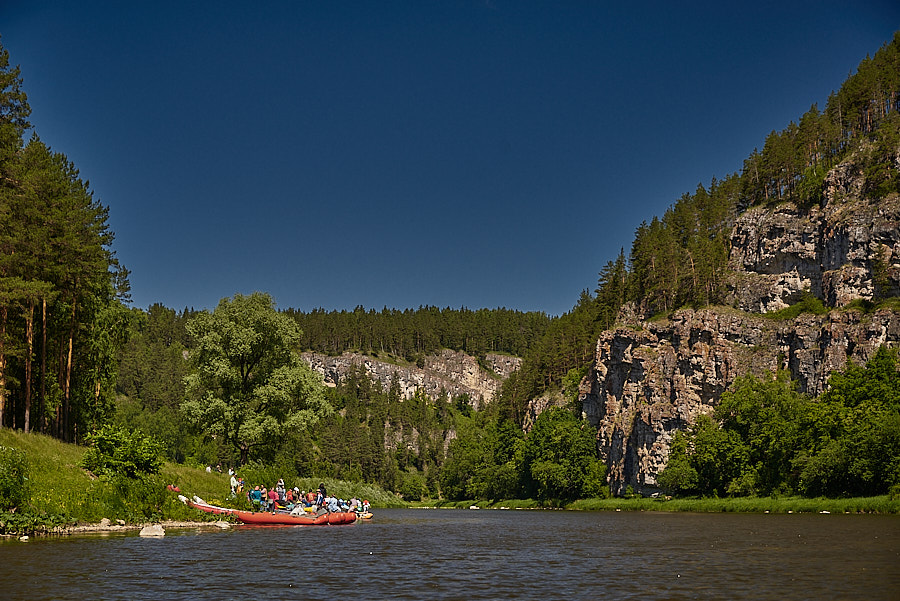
[470, 153]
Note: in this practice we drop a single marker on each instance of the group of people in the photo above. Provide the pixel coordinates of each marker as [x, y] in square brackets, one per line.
[297, 501]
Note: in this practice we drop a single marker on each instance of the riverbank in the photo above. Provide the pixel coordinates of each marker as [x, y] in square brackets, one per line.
[105, 527]
[62, 497]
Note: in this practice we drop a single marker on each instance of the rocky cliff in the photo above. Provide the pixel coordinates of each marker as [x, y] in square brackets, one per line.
[652, 378]
[847, 248]
[454, 372]
[647, 383]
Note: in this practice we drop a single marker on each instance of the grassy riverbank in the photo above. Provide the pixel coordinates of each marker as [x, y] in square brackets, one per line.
[882, 504]
[60, 494]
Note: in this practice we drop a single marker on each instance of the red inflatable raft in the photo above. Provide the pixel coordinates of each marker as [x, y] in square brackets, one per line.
[278, 518]
[335, 518]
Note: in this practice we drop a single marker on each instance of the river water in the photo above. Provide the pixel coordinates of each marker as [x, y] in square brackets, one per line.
[468, 554]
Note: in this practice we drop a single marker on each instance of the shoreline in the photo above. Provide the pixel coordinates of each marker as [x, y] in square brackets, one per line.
[104, 528]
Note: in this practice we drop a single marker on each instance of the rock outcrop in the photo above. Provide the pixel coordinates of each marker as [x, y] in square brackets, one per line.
[846, 249]
[653, 378]
[453, 372]
[647, 383]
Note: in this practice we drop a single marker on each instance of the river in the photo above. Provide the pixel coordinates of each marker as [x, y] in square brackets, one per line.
[469, 554]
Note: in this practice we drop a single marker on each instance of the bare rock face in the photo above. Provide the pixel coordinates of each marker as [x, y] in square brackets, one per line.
[840, 252]
[653, 378]
[454, 372]
[848, 248]
[647, 383]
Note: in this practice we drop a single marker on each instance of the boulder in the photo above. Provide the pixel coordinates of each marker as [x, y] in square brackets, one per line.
[153, 530]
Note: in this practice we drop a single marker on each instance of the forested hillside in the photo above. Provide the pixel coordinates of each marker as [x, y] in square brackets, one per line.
[682, 258]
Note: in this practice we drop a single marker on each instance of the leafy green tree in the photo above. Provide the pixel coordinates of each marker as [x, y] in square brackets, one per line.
[412, 486]
[560, 457]
[463, 458]
[852, 440]
[766, 415]
[719, 456]
[679, 476]
[248, 385]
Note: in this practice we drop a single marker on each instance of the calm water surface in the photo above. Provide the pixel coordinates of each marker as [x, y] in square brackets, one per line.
[464, 554]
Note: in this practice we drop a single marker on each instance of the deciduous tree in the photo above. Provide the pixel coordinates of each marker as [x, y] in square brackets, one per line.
[248, 385]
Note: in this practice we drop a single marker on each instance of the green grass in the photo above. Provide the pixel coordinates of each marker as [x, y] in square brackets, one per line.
[867, 307]
[59, 490]
[881, 504]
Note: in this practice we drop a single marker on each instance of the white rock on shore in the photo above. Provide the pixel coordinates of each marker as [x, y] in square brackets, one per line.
[153, 530]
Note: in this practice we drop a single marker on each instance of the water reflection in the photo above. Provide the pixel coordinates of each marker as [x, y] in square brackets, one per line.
[461, 554]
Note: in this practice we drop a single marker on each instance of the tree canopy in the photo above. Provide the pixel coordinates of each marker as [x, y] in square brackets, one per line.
[247, 384]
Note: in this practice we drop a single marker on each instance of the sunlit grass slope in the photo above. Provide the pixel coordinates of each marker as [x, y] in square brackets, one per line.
[63, 492]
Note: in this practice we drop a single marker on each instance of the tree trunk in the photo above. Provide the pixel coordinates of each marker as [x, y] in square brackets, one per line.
[29, 345]
[43, 391]
[60, 380]
[67, 389]
[2, 364]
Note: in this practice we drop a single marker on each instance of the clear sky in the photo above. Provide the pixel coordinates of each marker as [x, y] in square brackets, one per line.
[476, 153]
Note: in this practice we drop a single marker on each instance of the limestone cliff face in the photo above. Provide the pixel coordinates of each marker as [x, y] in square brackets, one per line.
[454, 372]
[654, 378]
[846, 249]
[647, 383]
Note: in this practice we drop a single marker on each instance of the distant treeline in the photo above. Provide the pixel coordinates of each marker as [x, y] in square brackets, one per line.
[413, 333]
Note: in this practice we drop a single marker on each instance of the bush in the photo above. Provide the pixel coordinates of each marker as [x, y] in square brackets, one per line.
[412, 486]
[13, 478]
[894, 492]
[116, 451]
[807, 304]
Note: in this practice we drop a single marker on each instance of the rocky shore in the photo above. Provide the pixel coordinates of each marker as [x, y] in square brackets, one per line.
[147, 528]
